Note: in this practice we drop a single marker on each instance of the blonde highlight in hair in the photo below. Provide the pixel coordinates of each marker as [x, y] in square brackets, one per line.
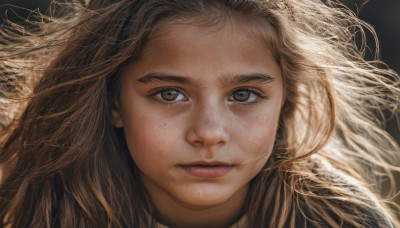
[68, 166]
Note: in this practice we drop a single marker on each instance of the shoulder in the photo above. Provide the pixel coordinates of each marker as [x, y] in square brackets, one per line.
[336, 199]
[349, 215]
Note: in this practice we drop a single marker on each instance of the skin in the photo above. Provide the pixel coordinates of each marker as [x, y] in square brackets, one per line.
[209, 94]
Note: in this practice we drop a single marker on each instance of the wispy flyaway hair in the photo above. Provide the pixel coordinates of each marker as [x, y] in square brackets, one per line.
[65, 165]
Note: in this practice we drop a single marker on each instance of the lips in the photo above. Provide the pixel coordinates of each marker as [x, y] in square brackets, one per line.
[207, 169]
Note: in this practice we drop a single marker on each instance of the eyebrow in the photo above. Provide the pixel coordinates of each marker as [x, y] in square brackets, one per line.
[262, 78]
[165, 77]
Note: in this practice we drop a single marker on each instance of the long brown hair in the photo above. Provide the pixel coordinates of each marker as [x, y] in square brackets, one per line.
[69, 167]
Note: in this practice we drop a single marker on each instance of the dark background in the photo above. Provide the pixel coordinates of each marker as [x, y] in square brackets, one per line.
[384, 16]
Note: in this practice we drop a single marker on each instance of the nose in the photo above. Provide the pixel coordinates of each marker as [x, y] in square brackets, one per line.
[208, 127]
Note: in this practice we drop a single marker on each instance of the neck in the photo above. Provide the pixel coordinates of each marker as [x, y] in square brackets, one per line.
[176, 214]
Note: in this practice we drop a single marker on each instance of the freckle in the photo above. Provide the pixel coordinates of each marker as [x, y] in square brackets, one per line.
[164, 124]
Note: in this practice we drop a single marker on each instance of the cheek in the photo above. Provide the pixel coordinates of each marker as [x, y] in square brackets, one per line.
[260, 144]
[257, 135]
[148, 139]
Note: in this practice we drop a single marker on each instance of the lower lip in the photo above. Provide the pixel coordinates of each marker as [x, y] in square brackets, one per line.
[207, 171]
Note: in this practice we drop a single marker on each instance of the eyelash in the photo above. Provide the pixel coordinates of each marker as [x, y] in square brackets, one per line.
[156, 94]
[259, 95]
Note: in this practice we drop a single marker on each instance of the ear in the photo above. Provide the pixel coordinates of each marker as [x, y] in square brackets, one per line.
[116, 116]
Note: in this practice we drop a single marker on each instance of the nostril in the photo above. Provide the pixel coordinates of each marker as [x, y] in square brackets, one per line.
[208, 127]
[198, 143]
[207, 138]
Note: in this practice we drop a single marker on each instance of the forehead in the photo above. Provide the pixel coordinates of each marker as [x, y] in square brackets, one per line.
[197, 49]
[187, 30]
[256, 28]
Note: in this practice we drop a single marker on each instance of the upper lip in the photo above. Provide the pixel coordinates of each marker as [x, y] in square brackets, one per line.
[207, 163]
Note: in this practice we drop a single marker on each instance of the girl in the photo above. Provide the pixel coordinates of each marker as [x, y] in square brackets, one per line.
[207, 113]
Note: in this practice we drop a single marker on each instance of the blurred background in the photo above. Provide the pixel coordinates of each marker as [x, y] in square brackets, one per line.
[384, 16]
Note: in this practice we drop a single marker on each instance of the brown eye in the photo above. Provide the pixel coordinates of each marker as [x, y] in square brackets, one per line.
[170, 95]
[243, 96]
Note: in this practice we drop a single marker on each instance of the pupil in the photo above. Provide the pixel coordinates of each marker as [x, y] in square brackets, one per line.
[169, 95]
[241, 95]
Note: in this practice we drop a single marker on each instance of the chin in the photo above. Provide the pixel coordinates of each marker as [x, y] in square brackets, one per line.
[202, 203]
[204, 198]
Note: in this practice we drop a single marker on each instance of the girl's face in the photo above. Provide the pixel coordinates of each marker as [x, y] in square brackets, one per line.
[200, 111]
